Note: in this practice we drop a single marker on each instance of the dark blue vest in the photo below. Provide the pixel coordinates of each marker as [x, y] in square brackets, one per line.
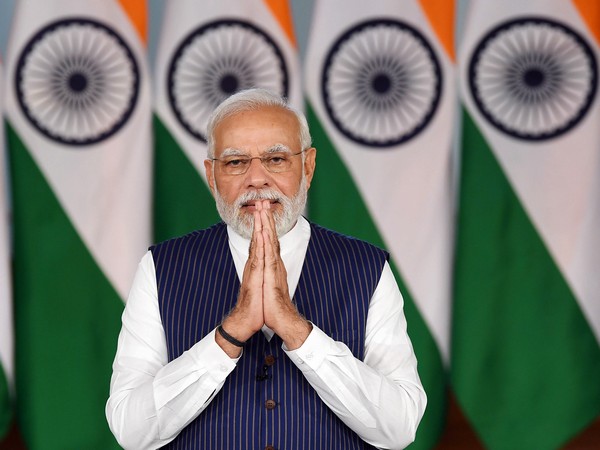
[266, 401]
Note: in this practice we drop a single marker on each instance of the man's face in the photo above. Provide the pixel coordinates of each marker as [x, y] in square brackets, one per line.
[252, 134]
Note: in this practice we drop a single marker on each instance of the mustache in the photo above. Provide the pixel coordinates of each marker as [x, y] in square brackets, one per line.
[263, 194]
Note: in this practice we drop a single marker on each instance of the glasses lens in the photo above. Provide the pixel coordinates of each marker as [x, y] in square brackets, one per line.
[273, 162]
[235, 165]
[277, 162]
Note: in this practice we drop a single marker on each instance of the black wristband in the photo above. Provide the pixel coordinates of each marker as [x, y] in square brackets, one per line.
[229, 338]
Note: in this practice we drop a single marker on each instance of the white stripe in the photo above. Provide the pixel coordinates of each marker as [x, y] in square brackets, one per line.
[6, 315]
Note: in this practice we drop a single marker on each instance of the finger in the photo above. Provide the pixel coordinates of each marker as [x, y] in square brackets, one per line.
[274, 266]
[267, 230]
[269, 220]
[255, 263]
[265, 205]
[258, 236]
[268, 247]
[271, 217]
[267, 214]
[257, 226]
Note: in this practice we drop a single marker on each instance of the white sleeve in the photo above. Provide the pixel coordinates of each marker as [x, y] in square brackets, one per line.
[152, 400]
[381, 399]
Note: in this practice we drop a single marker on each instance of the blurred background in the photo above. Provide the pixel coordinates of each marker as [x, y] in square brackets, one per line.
[462, 136]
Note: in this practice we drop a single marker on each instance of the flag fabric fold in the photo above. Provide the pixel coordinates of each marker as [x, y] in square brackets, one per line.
[381, 97]
[526, 324]
[6, 316]
[206, 54]
[79, 135]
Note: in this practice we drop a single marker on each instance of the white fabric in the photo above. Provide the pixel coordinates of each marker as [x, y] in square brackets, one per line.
[151, 400]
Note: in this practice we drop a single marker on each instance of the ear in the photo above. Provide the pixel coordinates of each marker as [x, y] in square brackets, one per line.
[310, 164]
[210, 175]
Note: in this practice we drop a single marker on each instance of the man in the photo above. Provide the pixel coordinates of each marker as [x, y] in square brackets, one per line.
[267, 332]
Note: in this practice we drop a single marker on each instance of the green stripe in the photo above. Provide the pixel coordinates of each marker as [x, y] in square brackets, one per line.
[336, 203]
[5, 405]
[182, 200]
[67, 318]
[525, 364]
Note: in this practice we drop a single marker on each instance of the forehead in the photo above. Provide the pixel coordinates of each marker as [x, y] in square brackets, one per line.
[258, 130]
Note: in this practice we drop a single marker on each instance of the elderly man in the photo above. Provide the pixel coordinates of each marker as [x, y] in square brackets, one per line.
[265, 331]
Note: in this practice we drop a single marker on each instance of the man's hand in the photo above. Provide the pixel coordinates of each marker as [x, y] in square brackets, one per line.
[264, 297]
[280, 313]
[246, 318]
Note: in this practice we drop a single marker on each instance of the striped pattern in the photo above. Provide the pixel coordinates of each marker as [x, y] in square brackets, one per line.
[338, 279]
[185, 269]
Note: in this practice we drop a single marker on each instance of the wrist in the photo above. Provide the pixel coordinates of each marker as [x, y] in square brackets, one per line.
[243, 321]
[294, 336]
[231, 350]
[229, 338]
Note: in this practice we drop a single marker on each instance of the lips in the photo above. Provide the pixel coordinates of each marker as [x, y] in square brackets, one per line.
[250, 206]
[253, 202]
[251, 197]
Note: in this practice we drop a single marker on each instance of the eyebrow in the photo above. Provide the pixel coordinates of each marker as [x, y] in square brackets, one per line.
[277, 148]
[230, 151]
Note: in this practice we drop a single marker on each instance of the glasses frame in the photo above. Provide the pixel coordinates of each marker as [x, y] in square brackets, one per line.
[262, 160]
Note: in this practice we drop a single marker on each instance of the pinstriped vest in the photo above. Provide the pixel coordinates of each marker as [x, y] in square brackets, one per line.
[265, 404]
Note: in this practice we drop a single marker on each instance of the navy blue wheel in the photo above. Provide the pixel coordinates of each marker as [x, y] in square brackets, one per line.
[381, 83]
[77, 81]
[533, 78]
[217, 60]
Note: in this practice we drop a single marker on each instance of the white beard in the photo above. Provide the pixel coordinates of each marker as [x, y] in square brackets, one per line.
[243, 223]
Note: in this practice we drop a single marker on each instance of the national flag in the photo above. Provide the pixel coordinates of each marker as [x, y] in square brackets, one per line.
[208, 51]
[526, 331]
[79, 136]
[6, 316]
[381, 99]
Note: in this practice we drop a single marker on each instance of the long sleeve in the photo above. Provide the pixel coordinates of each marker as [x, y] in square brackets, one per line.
[380, 399]
[151, 400]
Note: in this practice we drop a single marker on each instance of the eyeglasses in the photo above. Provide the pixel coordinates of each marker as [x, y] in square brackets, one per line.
[276, 162]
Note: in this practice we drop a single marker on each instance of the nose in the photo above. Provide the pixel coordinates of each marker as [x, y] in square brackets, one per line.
[257, 176]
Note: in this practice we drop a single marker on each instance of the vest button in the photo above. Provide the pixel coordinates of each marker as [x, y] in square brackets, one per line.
[269, 360]
[269, 447]
[270, 404]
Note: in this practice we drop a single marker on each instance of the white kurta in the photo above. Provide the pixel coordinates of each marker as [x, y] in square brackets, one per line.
[152, 399]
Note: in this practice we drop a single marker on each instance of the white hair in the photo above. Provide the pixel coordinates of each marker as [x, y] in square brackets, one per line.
[248, 100]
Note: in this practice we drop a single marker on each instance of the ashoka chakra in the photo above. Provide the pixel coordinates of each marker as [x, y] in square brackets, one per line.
[533, 78]
[381, 83]
[77, 81]
[217, 60]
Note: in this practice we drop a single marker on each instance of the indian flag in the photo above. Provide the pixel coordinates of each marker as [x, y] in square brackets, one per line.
[6, 316]
[205, 54]
[526, 354]
[381, 99]
[79, 133]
